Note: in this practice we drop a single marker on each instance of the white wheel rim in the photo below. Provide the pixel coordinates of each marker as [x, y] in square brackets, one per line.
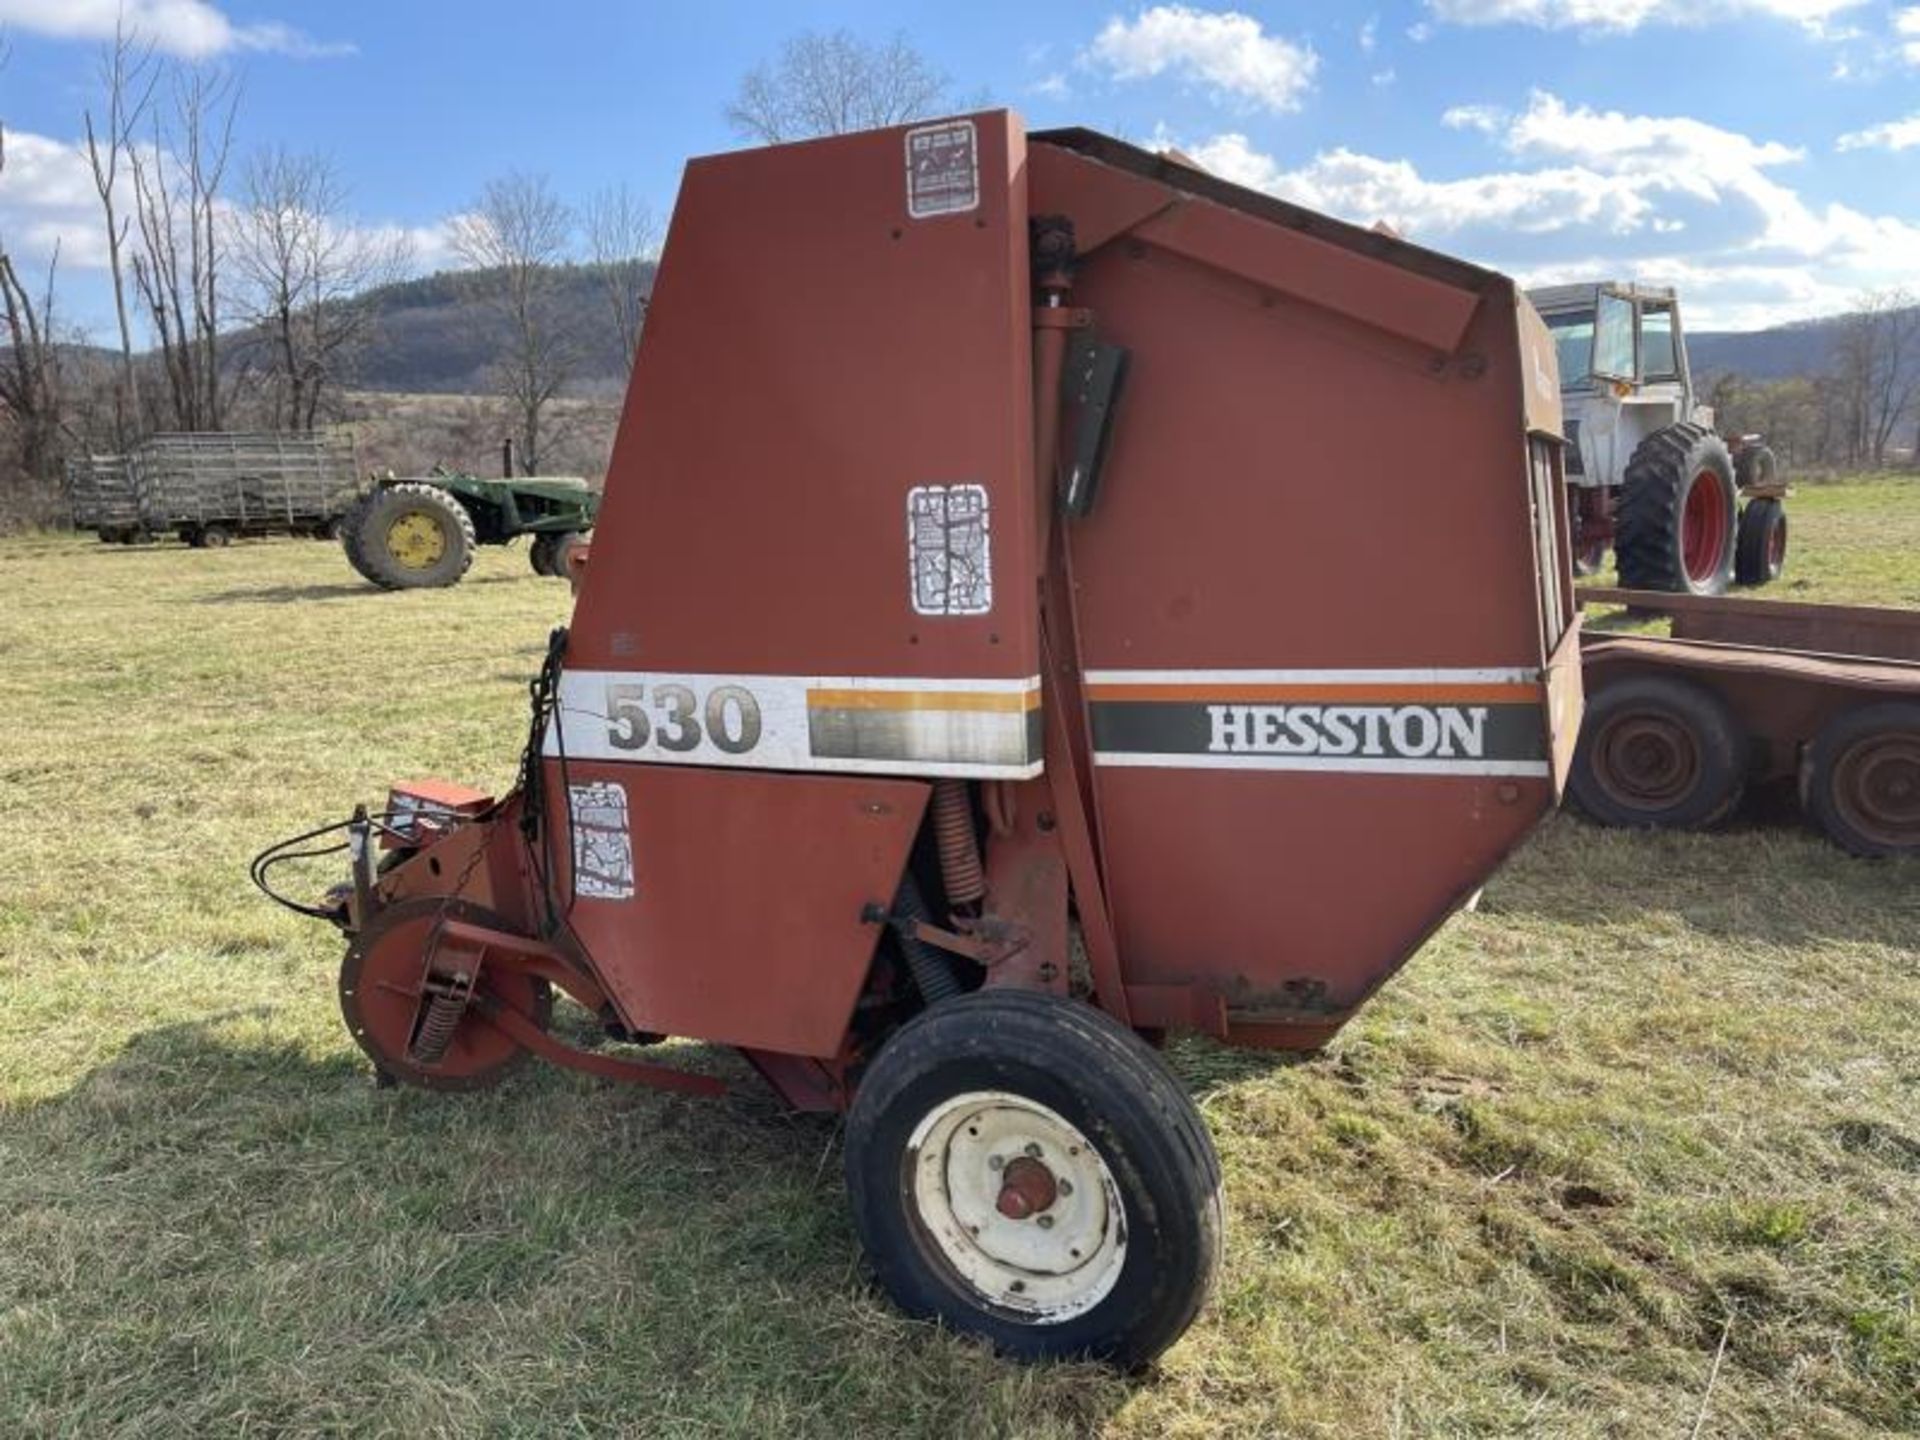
[1046, 1266]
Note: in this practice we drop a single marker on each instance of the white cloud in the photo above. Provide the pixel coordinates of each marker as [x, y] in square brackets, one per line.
[1592, 193]
[1484, 118]
[1906, 25]
[1890, 135]
[191, 29]
[1053, 86]
[1369, 34]
[1384, 78]
[1623, 16]
[1223, 51]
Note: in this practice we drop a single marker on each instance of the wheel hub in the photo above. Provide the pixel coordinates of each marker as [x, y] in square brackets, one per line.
[1877, 788]
[1645, 760]
[1704, 527]
[1017, 1205]
[416, 540]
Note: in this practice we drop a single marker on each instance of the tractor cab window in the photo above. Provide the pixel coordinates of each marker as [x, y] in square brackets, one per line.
[1657, 360]
[1572, 332]
[1613, 338]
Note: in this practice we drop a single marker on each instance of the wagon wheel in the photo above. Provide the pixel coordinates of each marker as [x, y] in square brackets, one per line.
[1861, 779]
[1024, 1169]
[408, 1036]
[1657, 753]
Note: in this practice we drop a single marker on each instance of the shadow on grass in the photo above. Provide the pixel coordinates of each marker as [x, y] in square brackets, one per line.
[285, 594]
[219, 1180]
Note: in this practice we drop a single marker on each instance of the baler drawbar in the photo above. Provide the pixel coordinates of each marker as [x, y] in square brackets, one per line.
[1006, 641]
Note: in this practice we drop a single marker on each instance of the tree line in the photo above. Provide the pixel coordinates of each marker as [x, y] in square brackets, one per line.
[241, 284]
[1859, 411]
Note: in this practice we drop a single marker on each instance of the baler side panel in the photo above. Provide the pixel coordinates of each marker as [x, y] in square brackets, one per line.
[1309, 505]
[729, 906]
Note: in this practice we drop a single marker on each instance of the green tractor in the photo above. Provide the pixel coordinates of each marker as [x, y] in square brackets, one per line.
[421, 531]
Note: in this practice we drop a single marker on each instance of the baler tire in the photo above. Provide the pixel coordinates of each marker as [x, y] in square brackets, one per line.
[1686, 768]
[1860, 779]
[1150, 1193]
[1658, 496]
[1761, 553]
[392, 503]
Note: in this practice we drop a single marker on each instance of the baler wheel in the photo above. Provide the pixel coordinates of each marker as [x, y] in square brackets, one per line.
[1025, 1169]
[410, 536]
[380, 996]
[1860, 779]
[1676, 518]
[1657, 753]
[1762, 552]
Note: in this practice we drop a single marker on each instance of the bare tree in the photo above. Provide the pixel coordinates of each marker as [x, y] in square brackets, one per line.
[127, 76]
[514, 237]
[30, 381]
[621, 239]
[304, 271]
[833, 83]
[177, 270]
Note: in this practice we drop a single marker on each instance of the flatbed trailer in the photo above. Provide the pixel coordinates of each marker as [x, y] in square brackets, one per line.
[1748, 692]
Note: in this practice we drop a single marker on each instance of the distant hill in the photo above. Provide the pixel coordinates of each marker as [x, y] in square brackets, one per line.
[1803, 348]
[437, 335]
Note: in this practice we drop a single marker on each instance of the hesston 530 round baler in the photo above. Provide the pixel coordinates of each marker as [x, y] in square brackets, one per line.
[941, 720]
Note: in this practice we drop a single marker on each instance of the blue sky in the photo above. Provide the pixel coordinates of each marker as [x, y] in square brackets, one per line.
[1763, 154]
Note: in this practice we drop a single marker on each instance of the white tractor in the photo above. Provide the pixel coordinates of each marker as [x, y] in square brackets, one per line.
[1683, 509]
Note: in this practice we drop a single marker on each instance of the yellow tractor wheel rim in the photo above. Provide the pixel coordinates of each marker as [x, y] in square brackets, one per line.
[416, 540]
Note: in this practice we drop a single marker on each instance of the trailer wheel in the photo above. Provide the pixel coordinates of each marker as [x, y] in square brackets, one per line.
[1024, 1169]
[1860, 779]
[1762, 552]
[1677, 512]
[213, 537]
[1657, 753]
[411, 536]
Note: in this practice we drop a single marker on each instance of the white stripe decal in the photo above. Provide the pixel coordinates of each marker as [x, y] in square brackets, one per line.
[1507, 675]
[1356, 765]
[850, 724]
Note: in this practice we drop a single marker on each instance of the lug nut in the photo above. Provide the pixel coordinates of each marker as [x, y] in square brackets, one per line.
[1034, 1151]
[1046, 1222]
[1066, 1187]
[994, 1162]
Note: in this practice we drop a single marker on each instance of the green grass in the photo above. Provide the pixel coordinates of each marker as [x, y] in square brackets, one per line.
[1658, 1094]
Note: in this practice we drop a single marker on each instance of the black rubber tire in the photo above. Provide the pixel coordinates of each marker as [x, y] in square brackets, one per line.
[1102, 1079]
[540, 555]
[1761, 553]
[390, 503]
[1891, 725]
[563, 544]
[1755, 465]
[214, 537]
[1676, 722]
[1653, 502]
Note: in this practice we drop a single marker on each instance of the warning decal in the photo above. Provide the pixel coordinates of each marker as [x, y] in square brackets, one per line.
[602, 844]
[949, 557]
[943, 169]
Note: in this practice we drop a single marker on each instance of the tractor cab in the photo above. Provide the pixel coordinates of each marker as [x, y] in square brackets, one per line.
[1683, 508]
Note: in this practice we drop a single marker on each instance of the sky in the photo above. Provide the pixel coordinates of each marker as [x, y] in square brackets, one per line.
[1764, 155]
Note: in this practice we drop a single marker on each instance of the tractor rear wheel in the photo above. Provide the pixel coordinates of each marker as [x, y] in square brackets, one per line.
[1024, 1169]
[1657, 753]
[1762, 551]
[411, 536]
[1677, 512]
[1861, 779]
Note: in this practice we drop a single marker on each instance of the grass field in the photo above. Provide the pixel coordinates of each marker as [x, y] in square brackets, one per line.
[1632, 1150]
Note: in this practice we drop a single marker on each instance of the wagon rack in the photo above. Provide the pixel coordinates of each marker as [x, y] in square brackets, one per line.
[1751, 692]
[210, 487]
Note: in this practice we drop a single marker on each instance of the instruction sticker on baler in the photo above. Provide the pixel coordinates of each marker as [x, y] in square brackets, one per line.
[943, 169]
[602, 843]
[949, 554]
